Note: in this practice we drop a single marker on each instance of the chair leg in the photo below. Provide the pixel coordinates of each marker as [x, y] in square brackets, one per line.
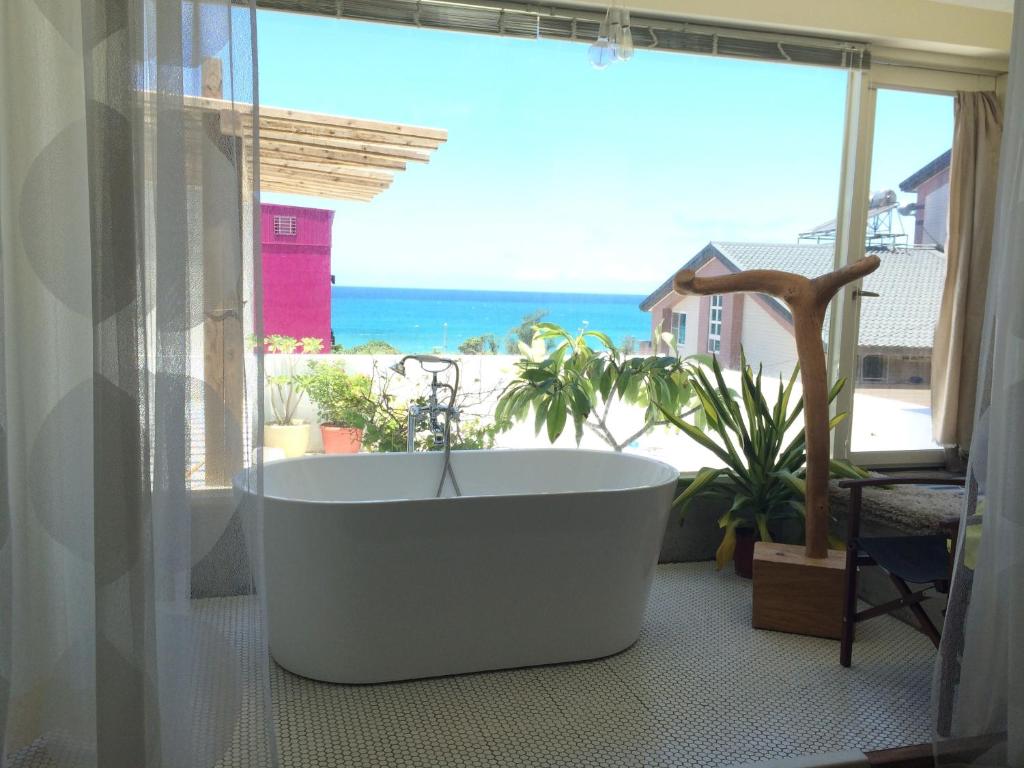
[919, 613]
[849, 607]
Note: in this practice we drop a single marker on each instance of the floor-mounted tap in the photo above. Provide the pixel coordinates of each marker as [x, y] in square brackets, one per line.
[439, 417]
[436, 416]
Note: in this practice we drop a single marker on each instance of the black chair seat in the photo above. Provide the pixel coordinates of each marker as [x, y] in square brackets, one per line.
[917, 559]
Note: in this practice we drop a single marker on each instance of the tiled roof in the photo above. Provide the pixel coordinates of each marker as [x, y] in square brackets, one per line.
[909, 284]
[921, 175]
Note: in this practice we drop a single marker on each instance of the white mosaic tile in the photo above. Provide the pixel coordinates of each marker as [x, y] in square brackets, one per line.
[699, 688]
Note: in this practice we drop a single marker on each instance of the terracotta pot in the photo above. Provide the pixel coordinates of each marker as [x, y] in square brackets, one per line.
[743, 556]
[341, 439]
[291, 439]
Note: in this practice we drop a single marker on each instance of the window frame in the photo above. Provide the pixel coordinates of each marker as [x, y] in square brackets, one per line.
[677, 326]
[715, 338]
[854, 193]
[882, 366]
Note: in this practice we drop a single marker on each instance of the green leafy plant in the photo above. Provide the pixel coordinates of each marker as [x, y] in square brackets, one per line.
[371, 347]
[341, 399]
[763, 473]
[474, 435]
[479, 345]
[287, 386]
[578, 382]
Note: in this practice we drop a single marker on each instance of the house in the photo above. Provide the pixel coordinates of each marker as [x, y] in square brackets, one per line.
[297, 271]
[896, 327]
[931, 210]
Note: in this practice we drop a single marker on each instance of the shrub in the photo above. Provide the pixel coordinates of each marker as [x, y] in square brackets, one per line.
[479, 345]
[341, 400]
[372, 347]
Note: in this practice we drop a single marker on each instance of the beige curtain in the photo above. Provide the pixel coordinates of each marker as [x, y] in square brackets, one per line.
[972, 190]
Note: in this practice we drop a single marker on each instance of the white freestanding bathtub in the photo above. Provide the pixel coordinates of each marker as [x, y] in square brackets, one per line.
[547, 557]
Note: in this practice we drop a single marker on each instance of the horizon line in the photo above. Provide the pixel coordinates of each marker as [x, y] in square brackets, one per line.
[485, 290]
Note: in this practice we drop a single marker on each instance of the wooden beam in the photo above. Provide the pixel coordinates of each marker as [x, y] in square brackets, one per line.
[339, 132]
[330, 155]
[337, 121]
[340, 170]
[436, 135]
[321, 177]
[326, 188]
[299, 167]
[349, 143]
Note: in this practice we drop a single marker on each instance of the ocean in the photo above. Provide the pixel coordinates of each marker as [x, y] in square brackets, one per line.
[418, 320]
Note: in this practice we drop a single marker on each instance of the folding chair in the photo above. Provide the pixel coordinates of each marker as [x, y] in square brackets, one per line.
[923, 559]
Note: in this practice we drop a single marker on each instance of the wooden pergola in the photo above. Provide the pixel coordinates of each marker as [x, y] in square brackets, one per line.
[302, 153]
[307, 153]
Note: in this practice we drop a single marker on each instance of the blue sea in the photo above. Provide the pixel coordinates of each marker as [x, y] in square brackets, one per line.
[417, 320]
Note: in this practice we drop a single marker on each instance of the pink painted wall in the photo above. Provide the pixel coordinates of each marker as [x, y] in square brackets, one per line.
[297, 273]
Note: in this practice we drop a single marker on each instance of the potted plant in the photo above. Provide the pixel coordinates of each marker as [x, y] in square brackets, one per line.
[286, 388]
[342, 403]
[762, 478]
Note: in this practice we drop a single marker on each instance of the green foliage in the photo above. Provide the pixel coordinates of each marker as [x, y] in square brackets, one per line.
[287, 386]
[474, 435]
[341, 399]
[385, 430]
[578, 383]
[479, 345]
[372, 347]
[763, 473]
[523, 333]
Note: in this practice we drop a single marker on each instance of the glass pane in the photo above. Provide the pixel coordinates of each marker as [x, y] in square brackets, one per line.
[567, 194]
[907, 229]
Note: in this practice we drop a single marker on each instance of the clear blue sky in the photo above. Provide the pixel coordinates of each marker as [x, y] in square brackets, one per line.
[557, 176]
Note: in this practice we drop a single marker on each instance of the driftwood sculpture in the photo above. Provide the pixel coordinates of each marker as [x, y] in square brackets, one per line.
[807, 300]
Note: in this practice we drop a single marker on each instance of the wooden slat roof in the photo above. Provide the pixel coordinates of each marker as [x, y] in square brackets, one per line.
[341, 158]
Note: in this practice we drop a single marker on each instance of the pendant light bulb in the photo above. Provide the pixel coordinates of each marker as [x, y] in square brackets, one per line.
[624, 43]
[601, 53]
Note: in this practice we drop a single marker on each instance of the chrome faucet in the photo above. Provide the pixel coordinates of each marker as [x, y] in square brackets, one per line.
[436, 416]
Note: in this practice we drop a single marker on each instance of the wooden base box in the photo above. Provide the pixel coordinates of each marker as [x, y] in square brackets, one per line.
[798, 594]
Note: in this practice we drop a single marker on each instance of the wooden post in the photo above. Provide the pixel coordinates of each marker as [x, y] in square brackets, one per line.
[807, 300]
[223, 343]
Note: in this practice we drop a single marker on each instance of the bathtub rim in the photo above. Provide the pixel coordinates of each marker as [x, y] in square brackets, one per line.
[241, 486]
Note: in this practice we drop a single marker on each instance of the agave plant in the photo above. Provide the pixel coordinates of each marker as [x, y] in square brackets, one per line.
[763, 473]
[563, 377]
[288, 386]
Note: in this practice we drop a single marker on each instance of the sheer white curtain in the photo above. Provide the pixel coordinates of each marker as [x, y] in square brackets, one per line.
[126, 285]
[979, 688]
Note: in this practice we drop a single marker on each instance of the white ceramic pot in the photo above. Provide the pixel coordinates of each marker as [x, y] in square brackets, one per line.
[292, 439]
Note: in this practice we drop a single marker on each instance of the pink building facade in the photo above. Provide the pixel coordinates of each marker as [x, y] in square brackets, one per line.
[297, 271]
